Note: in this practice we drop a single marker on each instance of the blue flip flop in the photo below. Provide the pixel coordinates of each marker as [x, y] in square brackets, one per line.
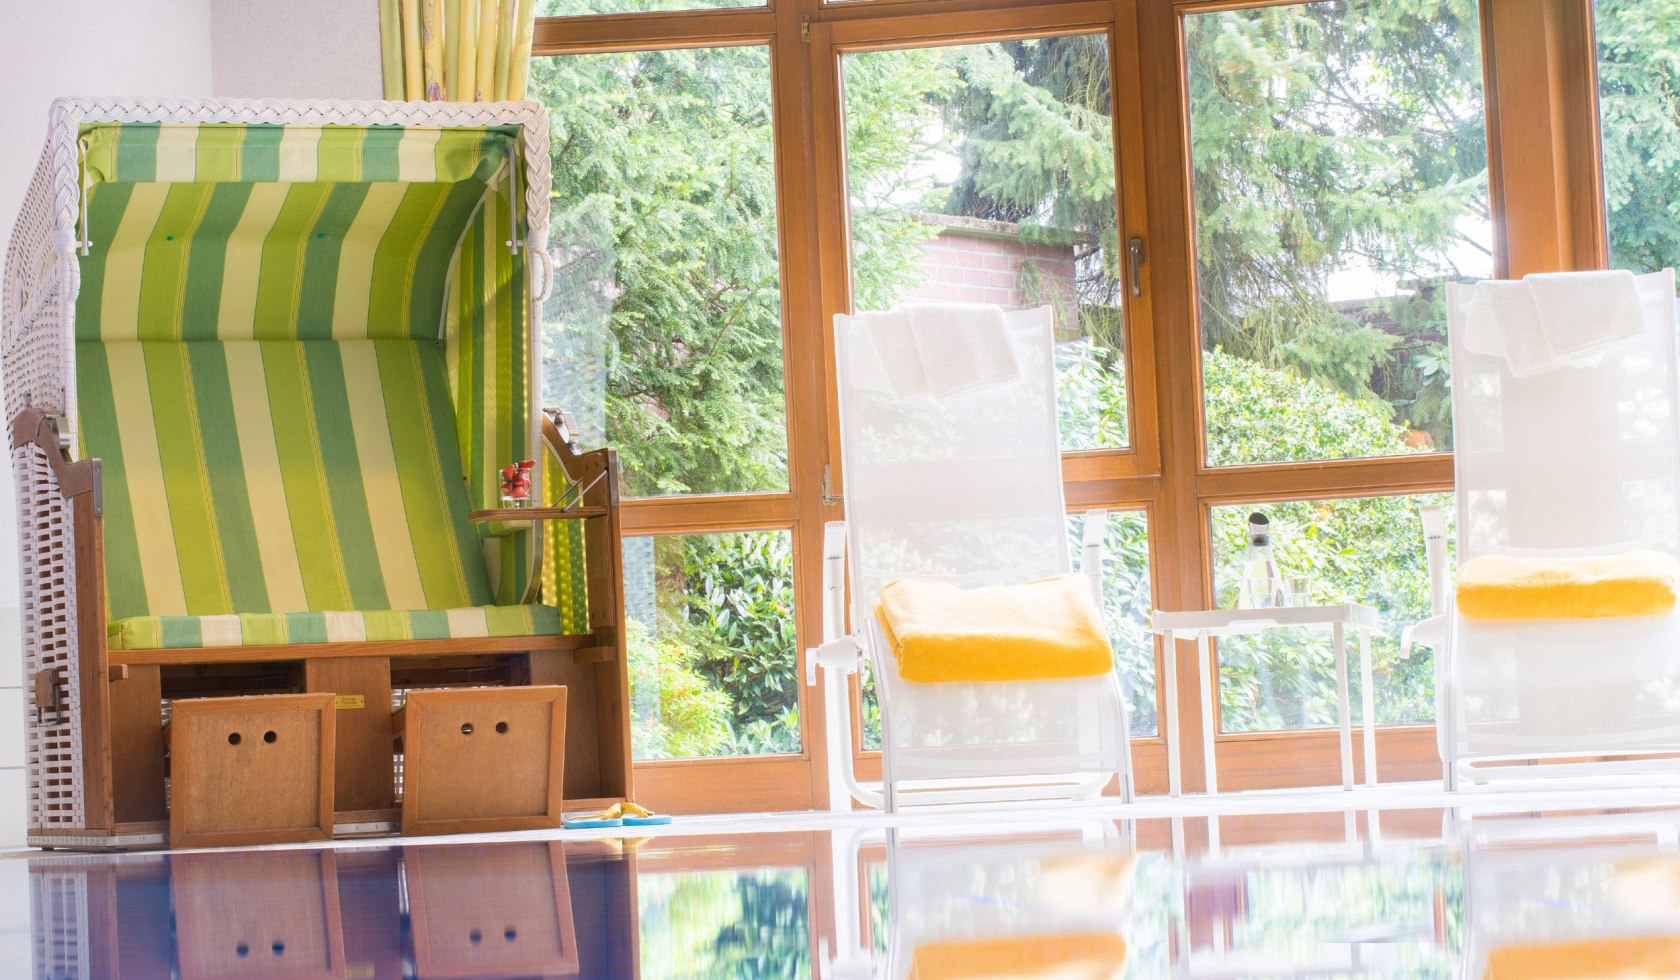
[651, 820]
[587, 821]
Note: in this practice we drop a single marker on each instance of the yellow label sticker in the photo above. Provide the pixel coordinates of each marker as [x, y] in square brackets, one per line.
[349, 701]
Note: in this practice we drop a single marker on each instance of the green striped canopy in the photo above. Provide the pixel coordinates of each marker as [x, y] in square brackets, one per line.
[304, 353]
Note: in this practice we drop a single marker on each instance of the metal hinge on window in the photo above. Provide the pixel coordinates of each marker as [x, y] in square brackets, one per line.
[828, 496]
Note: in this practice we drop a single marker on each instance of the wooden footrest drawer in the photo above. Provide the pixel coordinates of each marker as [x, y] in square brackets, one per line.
[482, 759]
[252, 770]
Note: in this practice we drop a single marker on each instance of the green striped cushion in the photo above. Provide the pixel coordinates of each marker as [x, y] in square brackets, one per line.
[278, 477]
[262, 629]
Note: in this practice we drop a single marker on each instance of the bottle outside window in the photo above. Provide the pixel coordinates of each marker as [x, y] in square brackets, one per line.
[1261, 586]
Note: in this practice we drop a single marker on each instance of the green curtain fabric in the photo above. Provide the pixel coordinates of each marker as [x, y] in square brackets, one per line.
[312, 259]
[456, 50]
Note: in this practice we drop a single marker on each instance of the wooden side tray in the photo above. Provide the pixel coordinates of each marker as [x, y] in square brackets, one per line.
[251, 770]
[482, 759]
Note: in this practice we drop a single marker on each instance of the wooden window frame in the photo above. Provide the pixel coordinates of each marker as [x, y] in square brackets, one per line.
[1545, 189]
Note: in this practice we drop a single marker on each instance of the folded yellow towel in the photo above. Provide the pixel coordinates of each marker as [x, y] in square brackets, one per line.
[1587, 959]
[1044, 630]
[1065, 956]
[1502, 587]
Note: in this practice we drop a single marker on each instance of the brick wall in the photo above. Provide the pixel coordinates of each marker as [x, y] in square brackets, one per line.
[961, 266]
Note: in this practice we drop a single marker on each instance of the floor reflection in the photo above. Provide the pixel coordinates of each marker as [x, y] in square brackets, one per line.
[1407, 893]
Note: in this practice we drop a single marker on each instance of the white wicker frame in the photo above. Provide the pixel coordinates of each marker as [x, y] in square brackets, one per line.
[37, 331]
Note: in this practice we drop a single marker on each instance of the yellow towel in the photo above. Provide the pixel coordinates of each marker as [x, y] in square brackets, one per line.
[1042, 630]
[1588, 959]
[1066, 956]
[1500, 587]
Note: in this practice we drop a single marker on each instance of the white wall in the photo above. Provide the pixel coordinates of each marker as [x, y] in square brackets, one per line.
[51, 48]
[295, 49]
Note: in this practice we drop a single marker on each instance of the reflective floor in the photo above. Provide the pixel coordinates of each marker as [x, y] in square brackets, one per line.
[1417, 892]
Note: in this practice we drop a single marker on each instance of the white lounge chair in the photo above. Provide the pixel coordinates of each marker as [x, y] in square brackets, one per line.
[964, 489]
[1577, 458]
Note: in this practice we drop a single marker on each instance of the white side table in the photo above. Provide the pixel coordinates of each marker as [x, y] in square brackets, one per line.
[1201, 625]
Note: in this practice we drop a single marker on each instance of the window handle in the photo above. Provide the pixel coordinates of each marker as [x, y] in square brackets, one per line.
[1134, 254]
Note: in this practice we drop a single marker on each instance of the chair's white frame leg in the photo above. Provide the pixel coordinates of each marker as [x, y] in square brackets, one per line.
[1181, 921]
[1446, 713]
[850, 957]
[1368, 706]
[1091, 560]
[1344, 708]
[1204, 654]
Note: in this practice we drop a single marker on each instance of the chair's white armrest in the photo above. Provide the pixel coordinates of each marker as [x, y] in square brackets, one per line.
[1431, 632]
[841, 656]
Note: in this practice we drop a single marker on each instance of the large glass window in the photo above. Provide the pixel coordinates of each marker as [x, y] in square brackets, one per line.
[1367, 550]
[712, 649]
[663, 333]
[1339, 178]
[1639, 119]
[984, 173]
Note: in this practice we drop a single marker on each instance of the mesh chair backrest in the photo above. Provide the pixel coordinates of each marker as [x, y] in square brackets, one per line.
[965, 489]
[1584, 457]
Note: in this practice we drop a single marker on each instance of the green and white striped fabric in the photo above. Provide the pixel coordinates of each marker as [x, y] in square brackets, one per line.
[486, 354]
[280, 233]
[350, 291]
[278, 476]
[261, 629]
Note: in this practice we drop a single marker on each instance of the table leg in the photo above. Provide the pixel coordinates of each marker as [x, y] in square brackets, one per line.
[1169, 664]
[1203, 655]
[1343, 708]
[1367, 706]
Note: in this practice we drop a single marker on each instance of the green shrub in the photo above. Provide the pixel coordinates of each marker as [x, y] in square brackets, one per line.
[675, 711]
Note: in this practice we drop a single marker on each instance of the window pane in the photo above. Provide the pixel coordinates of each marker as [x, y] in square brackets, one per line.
[1639, 118]
[984, 173]
[579, 8]
[1367, 550]
[663, 333]
[1339, 169]
[1127, 604]
[712, 664]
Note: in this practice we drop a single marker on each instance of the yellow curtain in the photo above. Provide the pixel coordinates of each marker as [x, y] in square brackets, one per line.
[456, 50]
